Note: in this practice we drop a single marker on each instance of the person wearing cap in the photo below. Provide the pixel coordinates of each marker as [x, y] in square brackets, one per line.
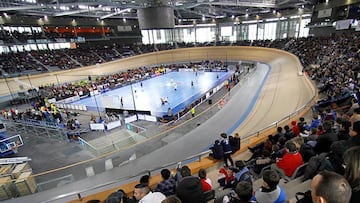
[290, 161]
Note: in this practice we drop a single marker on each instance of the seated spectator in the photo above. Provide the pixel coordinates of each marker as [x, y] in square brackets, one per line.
[270, 191]
[290, 161]
[303, 125]
[295, 128]
[168, 185]
[145, 179]
[262, 161]
[242, 173]
[256, 150]
[143, 194]
[243, 193]
[100, 120]
[189, 190]
[352, 173]
[316, 121]
[217, 150]
[329, 115]
[344, 130]
[171, 199]
[205, 182]
[330, 187]
[288, 132]
[325, 140]
[226, 178]
[320, 130]
[278, 134]
[119, 197]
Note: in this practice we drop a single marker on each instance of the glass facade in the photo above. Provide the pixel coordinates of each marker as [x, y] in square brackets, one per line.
[269, 29]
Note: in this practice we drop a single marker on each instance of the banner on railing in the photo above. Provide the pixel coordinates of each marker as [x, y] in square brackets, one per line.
[97, 126]
[52, 100]
[95, 92]
[131, 119]
[146, 117]
[71, 106]
[113, 125]
[69, 100]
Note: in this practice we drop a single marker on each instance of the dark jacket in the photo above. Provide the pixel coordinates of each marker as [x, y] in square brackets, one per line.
[226, 146]
[315, 165]
[190, 190]
[355, 196]
[217, 151]
[306, 152]
[235, 143]
[324, 142]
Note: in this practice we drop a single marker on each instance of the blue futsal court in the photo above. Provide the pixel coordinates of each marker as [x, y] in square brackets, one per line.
[148, 96]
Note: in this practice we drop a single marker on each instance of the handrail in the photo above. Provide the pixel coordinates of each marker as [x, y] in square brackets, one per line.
[78, 193]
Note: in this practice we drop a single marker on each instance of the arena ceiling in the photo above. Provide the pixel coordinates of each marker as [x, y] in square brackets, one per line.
[184, 9]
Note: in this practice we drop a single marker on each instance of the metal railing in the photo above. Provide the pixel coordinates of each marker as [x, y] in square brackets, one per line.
[189, 124]
[79, 192]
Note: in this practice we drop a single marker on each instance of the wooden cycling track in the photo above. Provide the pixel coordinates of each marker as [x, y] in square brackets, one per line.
[283, 92]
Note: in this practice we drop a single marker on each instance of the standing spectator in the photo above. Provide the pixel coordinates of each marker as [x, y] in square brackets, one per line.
[330, 187]
[235, 142]
[168, 185]
[227, 149]
[352, 171]
[290, 161]
[205, 182]
[270, 191]
[189, 189]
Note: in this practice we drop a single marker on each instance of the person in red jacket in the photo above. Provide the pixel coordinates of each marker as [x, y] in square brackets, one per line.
[205, 182]
[290, 161]
[295, 128]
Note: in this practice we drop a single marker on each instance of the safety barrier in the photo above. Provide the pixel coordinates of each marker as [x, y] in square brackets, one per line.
[71, 106]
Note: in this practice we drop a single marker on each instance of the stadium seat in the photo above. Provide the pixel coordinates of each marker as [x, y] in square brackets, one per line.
[209, 195]
[300, 170]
